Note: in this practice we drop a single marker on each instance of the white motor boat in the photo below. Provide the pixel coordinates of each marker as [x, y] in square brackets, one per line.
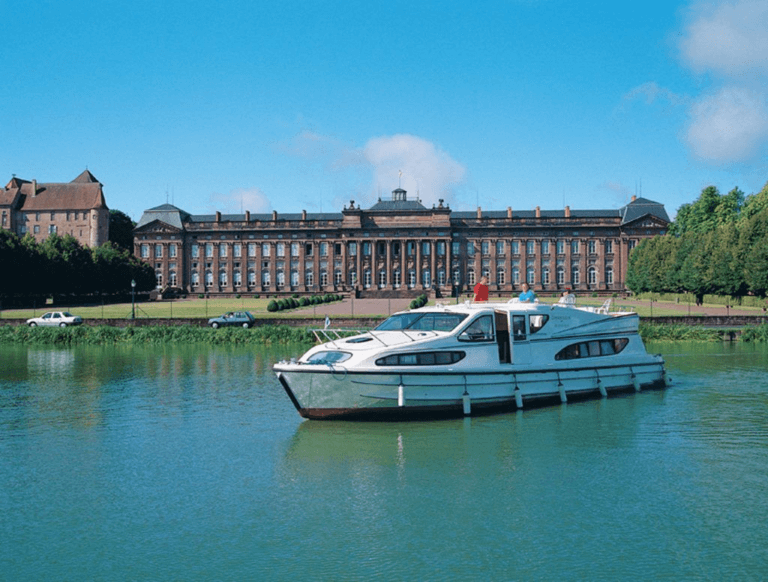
[472, 358]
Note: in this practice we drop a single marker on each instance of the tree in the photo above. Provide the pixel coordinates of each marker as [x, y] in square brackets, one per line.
[121, 230]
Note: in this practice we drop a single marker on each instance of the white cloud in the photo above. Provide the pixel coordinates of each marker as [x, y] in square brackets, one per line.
[650, 93]
[239, 200]
[730, 125]
[727, 41]
[426, 169]
[727, 38]
[364, 173]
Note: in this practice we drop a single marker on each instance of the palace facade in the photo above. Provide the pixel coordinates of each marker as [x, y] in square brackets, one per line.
[37, 208]
[397, 247]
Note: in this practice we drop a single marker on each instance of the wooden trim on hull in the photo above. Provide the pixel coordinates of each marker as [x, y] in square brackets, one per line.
[394, 413]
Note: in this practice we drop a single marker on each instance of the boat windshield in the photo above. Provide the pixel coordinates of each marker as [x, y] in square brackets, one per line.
[422, 321]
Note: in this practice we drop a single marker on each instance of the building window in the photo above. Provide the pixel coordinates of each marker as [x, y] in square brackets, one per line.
[265, 278]
[208, 279]
[382, 278]
[426, 278]
[530, 276]
[5, 218]
[208, 250]
[352, 249]
[337, 277]
[441, 248]
[457, 276]
[36, 229]
[560, 247]
[499, 247]
[560, 275]
[308, 249]
[158, 251]
[470, 249]
[294, 279]
[455, 248]
[353, 277]
[591, 245]
[574, 247]
[381, 248]
[323, 278]
[172, 251]
[337, 249]
[411, 278]
[366, 275]
[592, 276]
[144, 251]
[366, 249]
[471, 277]
[294, 249]
[238, 278]
[195, 279]
[323, 249]
[251, 278]
[222, 250]
[281, 279]
[223, 278]
[441, 277]
[251, 249]
[159, 278]
[237, 251]
[545, 247]
[485, 247]
[608, 247]
[396, 278]
[515, 275]
[575, 274]
[265, 249]
[609, 275]
[632, 244]
[545, 276]
[172, 279]
[501, 276]
[195, 250]
[515, 247]
[395, 249]
[309, 278]
[530, 247]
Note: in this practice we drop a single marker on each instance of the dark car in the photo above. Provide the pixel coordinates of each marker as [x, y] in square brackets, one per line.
[239, 318]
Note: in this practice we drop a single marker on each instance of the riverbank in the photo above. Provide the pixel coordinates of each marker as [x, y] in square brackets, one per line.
[275, 334]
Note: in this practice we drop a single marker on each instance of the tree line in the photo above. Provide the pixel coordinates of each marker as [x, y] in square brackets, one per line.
[717, 245]
[60, 265]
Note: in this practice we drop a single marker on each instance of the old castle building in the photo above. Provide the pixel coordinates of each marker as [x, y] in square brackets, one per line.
[396, 247]
[77, 208]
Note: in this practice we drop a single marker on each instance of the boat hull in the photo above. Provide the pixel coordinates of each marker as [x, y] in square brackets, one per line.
[323, 392]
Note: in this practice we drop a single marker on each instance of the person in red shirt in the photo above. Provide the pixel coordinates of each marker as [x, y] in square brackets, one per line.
[481, 290]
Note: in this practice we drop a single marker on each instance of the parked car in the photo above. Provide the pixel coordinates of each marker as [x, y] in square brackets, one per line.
[239, 318]
[55, 318]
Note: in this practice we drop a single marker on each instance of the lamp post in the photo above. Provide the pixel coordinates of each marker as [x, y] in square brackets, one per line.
[133, 298]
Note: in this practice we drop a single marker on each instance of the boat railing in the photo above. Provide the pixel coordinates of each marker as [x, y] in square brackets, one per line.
[329, 334]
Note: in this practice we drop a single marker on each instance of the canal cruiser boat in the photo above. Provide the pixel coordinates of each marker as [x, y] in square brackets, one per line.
[472, 358]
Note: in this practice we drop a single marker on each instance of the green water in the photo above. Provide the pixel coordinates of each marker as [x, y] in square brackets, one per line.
[192, 464]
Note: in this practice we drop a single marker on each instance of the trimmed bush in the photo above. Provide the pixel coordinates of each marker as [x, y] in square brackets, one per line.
[272, 306]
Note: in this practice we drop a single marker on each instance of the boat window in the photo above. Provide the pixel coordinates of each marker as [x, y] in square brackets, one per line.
[421, 359]
[537, 322]
[359, 340]
[422, 321]
[592, 349]
[518, 327]
[328, 357]
[481, 329]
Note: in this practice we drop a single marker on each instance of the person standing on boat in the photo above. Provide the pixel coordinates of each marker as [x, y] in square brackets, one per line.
[527, 296]
[481, 289]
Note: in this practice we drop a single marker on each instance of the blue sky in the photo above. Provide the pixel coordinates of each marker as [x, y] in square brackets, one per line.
[295, 105]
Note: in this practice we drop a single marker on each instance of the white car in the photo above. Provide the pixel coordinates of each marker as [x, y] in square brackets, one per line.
[56, 319]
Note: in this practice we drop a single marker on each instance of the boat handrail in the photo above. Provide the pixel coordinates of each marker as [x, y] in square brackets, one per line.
[329, 334]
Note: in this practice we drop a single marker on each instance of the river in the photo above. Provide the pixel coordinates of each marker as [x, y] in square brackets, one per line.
[190, 463]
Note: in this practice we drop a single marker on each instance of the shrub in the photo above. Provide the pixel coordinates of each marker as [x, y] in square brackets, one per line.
[303, 302]
[201, 296]
[272, 306]
[256, 296]
[295, 296]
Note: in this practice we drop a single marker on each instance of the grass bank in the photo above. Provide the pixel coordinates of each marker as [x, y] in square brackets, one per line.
[100, 335]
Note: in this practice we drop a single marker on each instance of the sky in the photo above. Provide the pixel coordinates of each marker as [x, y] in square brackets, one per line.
[305, 105]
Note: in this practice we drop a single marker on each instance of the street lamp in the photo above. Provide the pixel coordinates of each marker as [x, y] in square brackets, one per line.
[133, 298]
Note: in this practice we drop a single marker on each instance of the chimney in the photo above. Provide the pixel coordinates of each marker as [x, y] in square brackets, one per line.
[218, 216]
[479, 212]
[303, 214]
[34, 188]
[567, 211]
[247, 216]
[538, 212]
[509, 212]
[274, 215]
[634, 198]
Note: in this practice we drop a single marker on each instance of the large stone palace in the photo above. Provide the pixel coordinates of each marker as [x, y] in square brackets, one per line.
[397, 247]
[77, 208]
